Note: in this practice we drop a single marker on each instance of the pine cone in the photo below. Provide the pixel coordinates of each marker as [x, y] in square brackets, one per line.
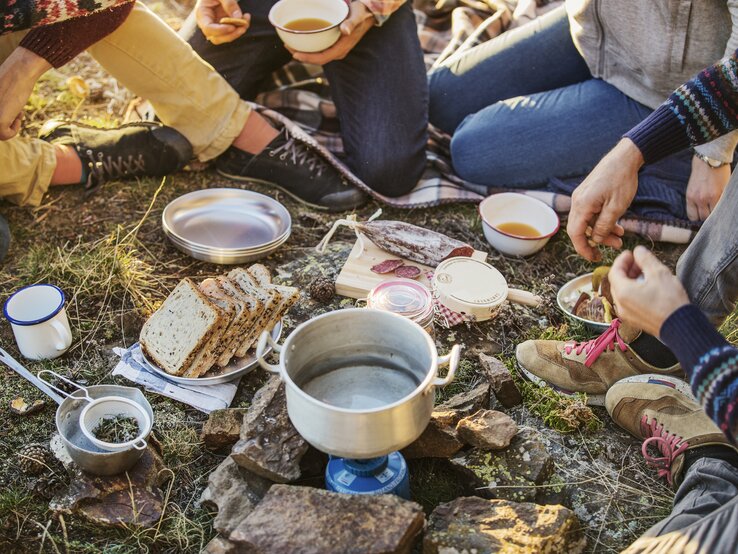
[46, 486]
[322, 290]
[33, 458]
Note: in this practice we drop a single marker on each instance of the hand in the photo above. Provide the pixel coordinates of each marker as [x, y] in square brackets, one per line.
[646, 293]
[705, 187]
[208, 14]
[18, 74]
[602, 198]
[353, 29]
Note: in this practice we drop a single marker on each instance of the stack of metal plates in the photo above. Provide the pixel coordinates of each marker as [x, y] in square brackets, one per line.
[226, 226]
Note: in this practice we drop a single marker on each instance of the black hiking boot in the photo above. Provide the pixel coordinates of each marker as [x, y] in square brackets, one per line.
[141, 149]
[296, 169]
[4, 239]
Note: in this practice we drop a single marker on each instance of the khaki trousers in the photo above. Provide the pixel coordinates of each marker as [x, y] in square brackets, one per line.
[150, 60]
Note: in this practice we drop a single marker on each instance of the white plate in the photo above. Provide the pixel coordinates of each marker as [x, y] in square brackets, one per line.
[570, 293]
[234, 370]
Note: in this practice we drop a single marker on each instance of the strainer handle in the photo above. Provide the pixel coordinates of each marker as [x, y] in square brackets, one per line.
[266, 337]
[452, 360]
[65, 394]
[140, 444]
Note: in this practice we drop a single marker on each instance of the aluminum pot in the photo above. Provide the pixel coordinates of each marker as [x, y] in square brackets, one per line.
[359, 382]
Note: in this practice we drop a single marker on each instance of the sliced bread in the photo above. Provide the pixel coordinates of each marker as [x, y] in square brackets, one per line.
[174, 335]
[250, 310]
[270, 299]
[212, 290]
[289, 295]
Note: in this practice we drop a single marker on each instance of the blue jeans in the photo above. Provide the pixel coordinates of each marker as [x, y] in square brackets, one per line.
[523, 108]
[380, 90]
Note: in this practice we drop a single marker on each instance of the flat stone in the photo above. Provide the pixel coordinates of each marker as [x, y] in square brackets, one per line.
[487, 429]
[439, 439]
[132, 498]
[19, 406]
[223, 428]
[500, 380]
[60, 452]
[220, 545]
[467, 403]
[305, 520]
[473, 524]
[234, 491]
[270, 446]
[511, 474]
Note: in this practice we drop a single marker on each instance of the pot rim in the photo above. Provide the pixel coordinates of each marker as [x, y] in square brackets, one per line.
[431, 374]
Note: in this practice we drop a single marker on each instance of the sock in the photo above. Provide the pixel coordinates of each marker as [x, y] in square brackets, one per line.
[653, 351]
[715, 451]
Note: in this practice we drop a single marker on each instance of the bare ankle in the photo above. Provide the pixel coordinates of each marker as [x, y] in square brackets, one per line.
[256, 134]
[68, 170]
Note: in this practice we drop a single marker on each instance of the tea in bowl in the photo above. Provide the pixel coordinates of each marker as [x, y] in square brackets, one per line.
[308, 25]
[516, 224]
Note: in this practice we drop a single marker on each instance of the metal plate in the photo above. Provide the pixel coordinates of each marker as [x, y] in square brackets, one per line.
[568, 295]
[218, 257]
[226, 219]
[234, 370]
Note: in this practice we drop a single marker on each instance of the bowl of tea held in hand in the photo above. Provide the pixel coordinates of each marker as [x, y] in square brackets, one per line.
[308, 25]
[516, 224]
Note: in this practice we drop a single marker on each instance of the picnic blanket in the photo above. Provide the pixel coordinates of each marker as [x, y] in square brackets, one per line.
[298, 96]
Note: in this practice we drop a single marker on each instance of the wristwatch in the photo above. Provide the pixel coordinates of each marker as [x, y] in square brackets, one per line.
[710, 161]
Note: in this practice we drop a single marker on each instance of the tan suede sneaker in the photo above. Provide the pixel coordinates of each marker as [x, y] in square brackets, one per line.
[590, 367]
[662, 411]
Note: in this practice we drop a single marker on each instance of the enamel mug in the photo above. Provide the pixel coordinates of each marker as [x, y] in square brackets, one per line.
[39, 321]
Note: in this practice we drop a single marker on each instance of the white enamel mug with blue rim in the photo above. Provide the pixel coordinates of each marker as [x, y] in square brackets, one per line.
[39, 321]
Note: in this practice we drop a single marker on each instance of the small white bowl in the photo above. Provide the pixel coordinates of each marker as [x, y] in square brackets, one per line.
[285, 11]
[111, 406]
[511, 207]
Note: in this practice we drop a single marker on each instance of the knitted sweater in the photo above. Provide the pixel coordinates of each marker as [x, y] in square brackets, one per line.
[697, 112]
[61, 29]
[710, 362]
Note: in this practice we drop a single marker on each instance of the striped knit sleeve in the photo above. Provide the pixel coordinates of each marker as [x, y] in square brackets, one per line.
[710, 362]
[699, 111]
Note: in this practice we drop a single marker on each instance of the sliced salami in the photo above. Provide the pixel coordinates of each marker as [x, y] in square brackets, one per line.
[387, 266]
[407, 272]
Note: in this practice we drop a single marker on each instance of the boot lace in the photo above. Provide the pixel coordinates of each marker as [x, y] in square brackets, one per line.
[593, 348]
[104, 168]
[300, 154]
[669, 444]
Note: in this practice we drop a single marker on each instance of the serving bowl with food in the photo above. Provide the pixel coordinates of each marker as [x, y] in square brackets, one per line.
[587, 299]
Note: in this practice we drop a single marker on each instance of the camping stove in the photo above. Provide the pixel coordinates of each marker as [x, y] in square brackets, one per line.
[382, 475]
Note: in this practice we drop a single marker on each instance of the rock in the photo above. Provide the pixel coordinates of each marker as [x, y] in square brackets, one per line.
[219, 545]
[500, 381]
[439, 439]
[511, 474]
[234, 491]
[19, 406]
[467, 403]
[223, 427]
[473, 524]
[270, 446]
[487, 429]
[56, 445]
[306, 520]
[131, 498]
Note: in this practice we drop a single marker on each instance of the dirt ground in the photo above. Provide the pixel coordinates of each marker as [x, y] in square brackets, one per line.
[109, 254]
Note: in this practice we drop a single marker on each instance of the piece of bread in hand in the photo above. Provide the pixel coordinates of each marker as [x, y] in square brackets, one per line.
[175, 334]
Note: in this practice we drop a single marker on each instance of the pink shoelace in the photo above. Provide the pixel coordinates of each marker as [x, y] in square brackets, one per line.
[593, 348]
[669, 444]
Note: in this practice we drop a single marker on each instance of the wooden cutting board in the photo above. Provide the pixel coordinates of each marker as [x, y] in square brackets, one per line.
[357, 279]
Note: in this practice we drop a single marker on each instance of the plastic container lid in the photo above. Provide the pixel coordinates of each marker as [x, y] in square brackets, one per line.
[401, 296]
[469, 287]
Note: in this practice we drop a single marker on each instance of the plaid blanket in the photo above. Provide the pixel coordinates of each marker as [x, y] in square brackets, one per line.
[301, 94]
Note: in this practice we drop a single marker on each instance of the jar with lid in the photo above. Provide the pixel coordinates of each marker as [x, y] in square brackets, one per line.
[407, 298]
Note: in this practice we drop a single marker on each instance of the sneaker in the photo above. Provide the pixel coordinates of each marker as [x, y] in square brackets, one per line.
[295, 169]
[142, 149]
[663, 413]
[590, 367]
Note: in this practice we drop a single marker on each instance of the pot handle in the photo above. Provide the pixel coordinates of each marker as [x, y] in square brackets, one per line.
[524, 297]
[452, 360]
[261, 346]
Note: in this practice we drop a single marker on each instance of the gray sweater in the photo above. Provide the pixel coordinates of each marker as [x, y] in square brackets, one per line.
[647, 48]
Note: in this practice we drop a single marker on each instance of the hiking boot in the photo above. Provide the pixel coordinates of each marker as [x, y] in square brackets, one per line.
[663, 413]
[590, 367]
[296, 169]
[4, 238]
[141, 149]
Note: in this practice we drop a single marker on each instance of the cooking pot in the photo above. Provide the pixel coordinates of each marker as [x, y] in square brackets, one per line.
[359, 382]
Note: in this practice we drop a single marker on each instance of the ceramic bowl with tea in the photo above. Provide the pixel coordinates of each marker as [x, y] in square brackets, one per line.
[308, 25]
[517, 225]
